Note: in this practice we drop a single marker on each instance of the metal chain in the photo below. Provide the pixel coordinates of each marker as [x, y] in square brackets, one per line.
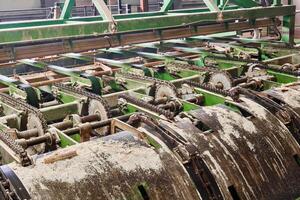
[258, 63]
[146, 105]
[84, 93]
[22, 105]
[18, 149]
[147, 78]
[193, 67]
[211, 88]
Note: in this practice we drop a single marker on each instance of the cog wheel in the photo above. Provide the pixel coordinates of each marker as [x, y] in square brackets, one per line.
[101, 109]
[33, 122]
[254, 70]
[165, 90]
[221, 80]
[288, 66]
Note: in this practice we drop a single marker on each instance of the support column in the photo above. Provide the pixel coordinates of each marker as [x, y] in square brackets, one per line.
[297, 32]
[144, 5]
[288, 29]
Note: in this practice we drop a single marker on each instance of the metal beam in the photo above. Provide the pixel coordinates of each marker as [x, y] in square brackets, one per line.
[103, 10]
[144, 5]
[167, 5]
[212, 5]
[67, 9]
[100, 28]
[288, 29]
[40, 49]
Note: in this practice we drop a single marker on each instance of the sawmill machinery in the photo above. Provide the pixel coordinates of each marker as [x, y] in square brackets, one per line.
[164, 97]
[152, 105]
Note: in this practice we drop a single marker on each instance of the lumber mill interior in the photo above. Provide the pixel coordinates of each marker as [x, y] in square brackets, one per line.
[187, 103]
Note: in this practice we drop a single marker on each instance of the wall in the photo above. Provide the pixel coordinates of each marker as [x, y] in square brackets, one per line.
[83, 2]
[19, 4]
[50, 3]
[297, 33]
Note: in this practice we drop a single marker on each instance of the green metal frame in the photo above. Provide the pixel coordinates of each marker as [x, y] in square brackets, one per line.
[73, 28]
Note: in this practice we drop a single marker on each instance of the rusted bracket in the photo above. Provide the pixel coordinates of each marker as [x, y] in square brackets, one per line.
[85, 132]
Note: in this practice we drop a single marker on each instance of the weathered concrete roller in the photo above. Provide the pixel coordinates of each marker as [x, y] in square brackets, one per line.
[120, 167]
[288, 94]
[250, 154]
[288, 98]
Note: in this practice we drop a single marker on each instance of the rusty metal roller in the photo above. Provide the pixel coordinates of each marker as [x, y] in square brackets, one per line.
[250, 153]
[107, 169]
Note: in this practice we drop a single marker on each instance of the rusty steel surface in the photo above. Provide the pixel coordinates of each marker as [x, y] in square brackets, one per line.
[111, 169]
[251, 155]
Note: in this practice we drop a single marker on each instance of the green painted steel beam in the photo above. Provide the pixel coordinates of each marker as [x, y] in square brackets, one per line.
[33, 23]
[58, 69]
[110, 62]
[31, 32]
[106, 61]
[67, 9]
[195, 10]
[9, 81]
[76, 76]
[139, 53]
[212, 6]
[167, 5]
[78, 56]
[277, 3]
[99, 4]
[21, 24]
[288, 28]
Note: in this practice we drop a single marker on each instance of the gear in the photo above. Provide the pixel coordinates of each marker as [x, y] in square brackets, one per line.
[165, 90]
[101, 109]
[34, 122]
[255, 70]
[97, 105]
[159, 89]
[288, 66]
[221, 80]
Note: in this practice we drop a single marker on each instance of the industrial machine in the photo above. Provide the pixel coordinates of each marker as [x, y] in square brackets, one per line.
[152, 105]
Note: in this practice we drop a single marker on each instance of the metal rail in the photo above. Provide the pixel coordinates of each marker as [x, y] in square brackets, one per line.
[47, 37]
[81, 44]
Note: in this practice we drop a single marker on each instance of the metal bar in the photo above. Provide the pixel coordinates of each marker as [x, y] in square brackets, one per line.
[111, 62]
[120, 7]
[289, 29]
[97, 124]
[57, 69]
[277, 3]
[103, 10]
[167, 5]
[81, 45]
[144, 5]
[162, 21]
[67, 9]
[211, 5]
